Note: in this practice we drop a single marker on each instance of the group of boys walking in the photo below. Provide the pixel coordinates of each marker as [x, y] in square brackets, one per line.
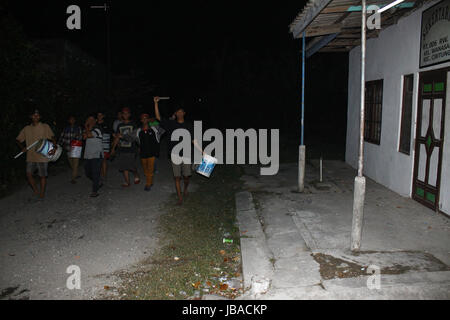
[124, 141]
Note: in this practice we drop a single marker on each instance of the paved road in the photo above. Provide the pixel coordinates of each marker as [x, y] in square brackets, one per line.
[39, 240]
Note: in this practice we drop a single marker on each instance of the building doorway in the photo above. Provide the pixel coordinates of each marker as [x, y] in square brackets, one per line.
[429, 137]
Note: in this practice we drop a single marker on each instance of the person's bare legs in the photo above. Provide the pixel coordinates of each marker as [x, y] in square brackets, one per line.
[74, 162]
[70, 161]
[43, 184]
[126, 175]
[136, 175]
[186, 184]
[178, 187]
[32, 183]
[104, 169]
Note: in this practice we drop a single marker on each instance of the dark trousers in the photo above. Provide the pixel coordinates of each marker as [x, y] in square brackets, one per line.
[92, 169]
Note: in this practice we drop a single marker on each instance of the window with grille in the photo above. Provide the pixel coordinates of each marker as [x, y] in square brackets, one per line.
[405, 126]
[373, 111]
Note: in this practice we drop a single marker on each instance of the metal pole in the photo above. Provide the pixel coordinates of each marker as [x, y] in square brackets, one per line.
[321, 169]
[360, 181]
[363, 89]
[303, 86]
[302, 148]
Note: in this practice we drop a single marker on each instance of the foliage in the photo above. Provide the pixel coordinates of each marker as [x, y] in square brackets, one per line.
[26, 84]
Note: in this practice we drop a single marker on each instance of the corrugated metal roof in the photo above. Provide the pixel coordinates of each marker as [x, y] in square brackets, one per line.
[320, 18]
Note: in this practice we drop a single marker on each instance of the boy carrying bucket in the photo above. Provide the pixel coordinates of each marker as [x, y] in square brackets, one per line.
[183, 167]
[35, 161]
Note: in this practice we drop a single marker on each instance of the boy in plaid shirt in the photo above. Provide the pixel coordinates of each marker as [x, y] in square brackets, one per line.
[71, 132]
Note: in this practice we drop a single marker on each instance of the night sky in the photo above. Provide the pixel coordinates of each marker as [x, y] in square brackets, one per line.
[157, 34]
[237, 55]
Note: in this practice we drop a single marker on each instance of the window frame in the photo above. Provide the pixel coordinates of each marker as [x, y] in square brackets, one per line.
[373, 113]
[402, 113]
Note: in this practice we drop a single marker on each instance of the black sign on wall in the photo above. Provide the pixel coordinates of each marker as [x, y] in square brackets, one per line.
[435, 35]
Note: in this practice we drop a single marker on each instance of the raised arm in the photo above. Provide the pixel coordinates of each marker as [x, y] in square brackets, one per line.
[157, 114]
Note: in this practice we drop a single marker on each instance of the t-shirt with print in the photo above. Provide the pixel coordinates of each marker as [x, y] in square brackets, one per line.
[171, 126]
[127, 144]
[106, 132]
[30, 134]
[94, 146]
[148, 145]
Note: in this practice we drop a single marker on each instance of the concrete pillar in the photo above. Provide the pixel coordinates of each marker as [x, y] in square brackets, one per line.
[358, 213]
[301, 168]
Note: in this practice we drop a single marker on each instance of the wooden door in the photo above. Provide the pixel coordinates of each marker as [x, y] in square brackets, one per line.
[429, 137]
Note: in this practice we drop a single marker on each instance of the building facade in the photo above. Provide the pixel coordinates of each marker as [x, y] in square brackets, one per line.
[407, 116]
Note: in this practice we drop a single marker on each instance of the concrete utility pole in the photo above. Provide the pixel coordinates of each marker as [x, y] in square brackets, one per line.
[302, 148]
[360, 181]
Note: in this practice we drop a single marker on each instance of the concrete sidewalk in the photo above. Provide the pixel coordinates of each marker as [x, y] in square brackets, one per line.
[296, 246]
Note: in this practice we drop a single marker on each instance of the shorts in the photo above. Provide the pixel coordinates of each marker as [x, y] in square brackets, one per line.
[106, 155]
[127, 162]
[181, 169]
[41, 168]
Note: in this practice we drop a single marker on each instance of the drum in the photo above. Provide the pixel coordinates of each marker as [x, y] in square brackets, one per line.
[207, 165]
[45, 146]
[76, 147]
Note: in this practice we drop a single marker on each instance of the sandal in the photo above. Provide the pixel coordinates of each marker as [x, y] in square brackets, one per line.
[125, 185]
[137, 180]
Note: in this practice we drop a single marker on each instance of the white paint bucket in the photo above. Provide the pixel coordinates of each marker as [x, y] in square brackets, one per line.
[207, 165]
[45, 146]
[76, 147]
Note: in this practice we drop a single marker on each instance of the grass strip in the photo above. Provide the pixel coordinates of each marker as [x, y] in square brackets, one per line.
[193, 259]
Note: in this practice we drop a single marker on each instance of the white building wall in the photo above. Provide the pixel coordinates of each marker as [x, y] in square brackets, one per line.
[392, 55]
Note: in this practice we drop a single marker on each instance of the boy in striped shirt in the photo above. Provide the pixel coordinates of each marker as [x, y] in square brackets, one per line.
[93, 153]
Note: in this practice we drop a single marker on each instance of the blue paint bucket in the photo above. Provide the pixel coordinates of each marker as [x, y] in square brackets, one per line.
[207, 165]
[45, 147]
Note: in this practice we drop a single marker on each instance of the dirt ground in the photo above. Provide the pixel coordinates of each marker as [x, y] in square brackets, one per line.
[105, 236]
[193, 259]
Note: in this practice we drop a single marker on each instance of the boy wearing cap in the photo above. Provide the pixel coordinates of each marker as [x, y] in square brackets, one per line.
[31, 133]
[148, 138]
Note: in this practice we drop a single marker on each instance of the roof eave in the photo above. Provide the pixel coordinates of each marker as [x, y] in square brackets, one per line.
[309, 13]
